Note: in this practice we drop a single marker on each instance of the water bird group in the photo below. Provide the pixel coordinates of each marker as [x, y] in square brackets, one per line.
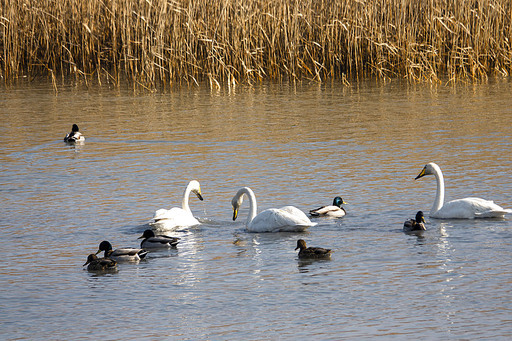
[284, 219]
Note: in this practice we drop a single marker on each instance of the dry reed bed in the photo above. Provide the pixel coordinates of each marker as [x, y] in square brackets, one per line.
[155, 42]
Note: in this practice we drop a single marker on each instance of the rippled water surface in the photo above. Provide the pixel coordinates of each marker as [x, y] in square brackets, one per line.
[299, 145]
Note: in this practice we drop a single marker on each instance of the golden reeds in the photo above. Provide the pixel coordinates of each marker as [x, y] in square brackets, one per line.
[160, 42]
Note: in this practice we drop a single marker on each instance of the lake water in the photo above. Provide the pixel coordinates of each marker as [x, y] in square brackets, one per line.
[299, 145]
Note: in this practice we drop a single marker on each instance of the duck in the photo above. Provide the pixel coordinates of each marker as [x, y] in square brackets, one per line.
[178, 217]
[122, 254]
[152, 241]
[311, 252]
[467, 208]
[284, 219]
[335, 210]
[75, 136]
[417, 224]
[100, 264]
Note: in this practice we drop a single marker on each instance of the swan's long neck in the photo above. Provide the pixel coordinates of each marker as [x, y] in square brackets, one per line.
[439, 201]
[186, 196]
[253, 206]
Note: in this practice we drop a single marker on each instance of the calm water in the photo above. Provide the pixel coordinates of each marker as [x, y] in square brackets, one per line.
[292, 145]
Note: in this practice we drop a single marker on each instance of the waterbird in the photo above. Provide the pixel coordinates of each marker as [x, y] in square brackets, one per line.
[152, 241]
[126, 254]
[284, 219]
[74, 136]
[467, 208]
[176, 216]
[100, 264]
[311, 252]
[334, 210]
[417, 224]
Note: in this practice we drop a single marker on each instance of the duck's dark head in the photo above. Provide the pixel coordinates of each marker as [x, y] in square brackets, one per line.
[74, 128]
[105, 246]
[147, 234]
[338, 201]
[91, 258]
[419, 217]
[301, 244]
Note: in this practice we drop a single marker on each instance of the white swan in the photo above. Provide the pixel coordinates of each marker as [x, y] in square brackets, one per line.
[284, 219]
[176, 216]
[467, 208]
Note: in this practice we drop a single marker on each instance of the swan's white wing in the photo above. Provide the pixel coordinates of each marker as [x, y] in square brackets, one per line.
[470, 208]
[286, 219]
[173, 218]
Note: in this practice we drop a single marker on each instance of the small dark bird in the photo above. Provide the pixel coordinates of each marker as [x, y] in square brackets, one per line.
[74, 136]
[127, 254]
[417, 224]
[152, 241]
[312, 252]
[334, 210]
[100, 264]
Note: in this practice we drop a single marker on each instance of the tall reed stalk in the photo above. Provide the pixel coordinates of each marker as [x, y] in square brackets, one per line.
[161, 42]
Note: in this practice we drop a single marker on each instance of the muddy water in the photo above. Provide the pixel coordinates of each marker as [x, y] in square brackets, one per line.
[292, 145]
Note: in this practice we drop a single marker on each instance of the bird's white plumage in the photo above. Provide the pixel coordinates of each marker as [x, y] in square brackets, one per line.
[467, 208]
[178, 217]
[284, 219]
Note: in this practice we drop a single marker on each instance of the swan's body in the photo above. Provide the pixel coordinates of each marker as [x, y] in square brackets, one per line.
[284, 219]
[75, 136]
[417, 224]
[311, 252]
[100, 264]
[335, 210]
[152, 241]
[178, 217]
[127, 254]
[467, 208]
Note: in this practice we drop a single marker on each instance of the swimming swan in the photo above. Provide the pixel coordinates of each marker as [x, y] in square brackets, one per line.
[75, 136]
[335, 210]
[417, 224]
[467, 208]
[176, 216]
[284, 219]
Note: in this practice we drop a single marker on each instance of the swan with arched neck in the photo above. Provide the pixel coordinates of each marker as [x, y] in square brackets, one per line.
[467, 208]
[284, 219]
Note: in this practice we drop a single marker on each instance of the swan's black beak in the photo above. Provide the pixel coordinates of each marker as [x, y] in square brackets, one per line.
[422, 173]
[235, 213]
[199, 195]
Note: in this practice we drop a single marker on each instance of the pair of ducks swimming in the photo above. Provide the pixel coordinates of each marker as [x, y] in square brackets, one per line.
[112, 257]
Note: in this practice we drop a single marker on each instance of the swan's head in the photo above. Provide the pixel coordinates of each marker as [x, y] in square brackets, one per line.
[236, 202]
[195, 188]
[147, 234]
[429, 169]
[420, 218]
[301, 244]
[238, 199]
[338, 201]
[91, 258]
[74, 128]
[104, 246]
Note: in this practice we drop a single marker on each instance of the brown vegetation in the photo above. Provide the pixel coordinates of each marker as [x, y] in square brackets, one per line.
[160, 42]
